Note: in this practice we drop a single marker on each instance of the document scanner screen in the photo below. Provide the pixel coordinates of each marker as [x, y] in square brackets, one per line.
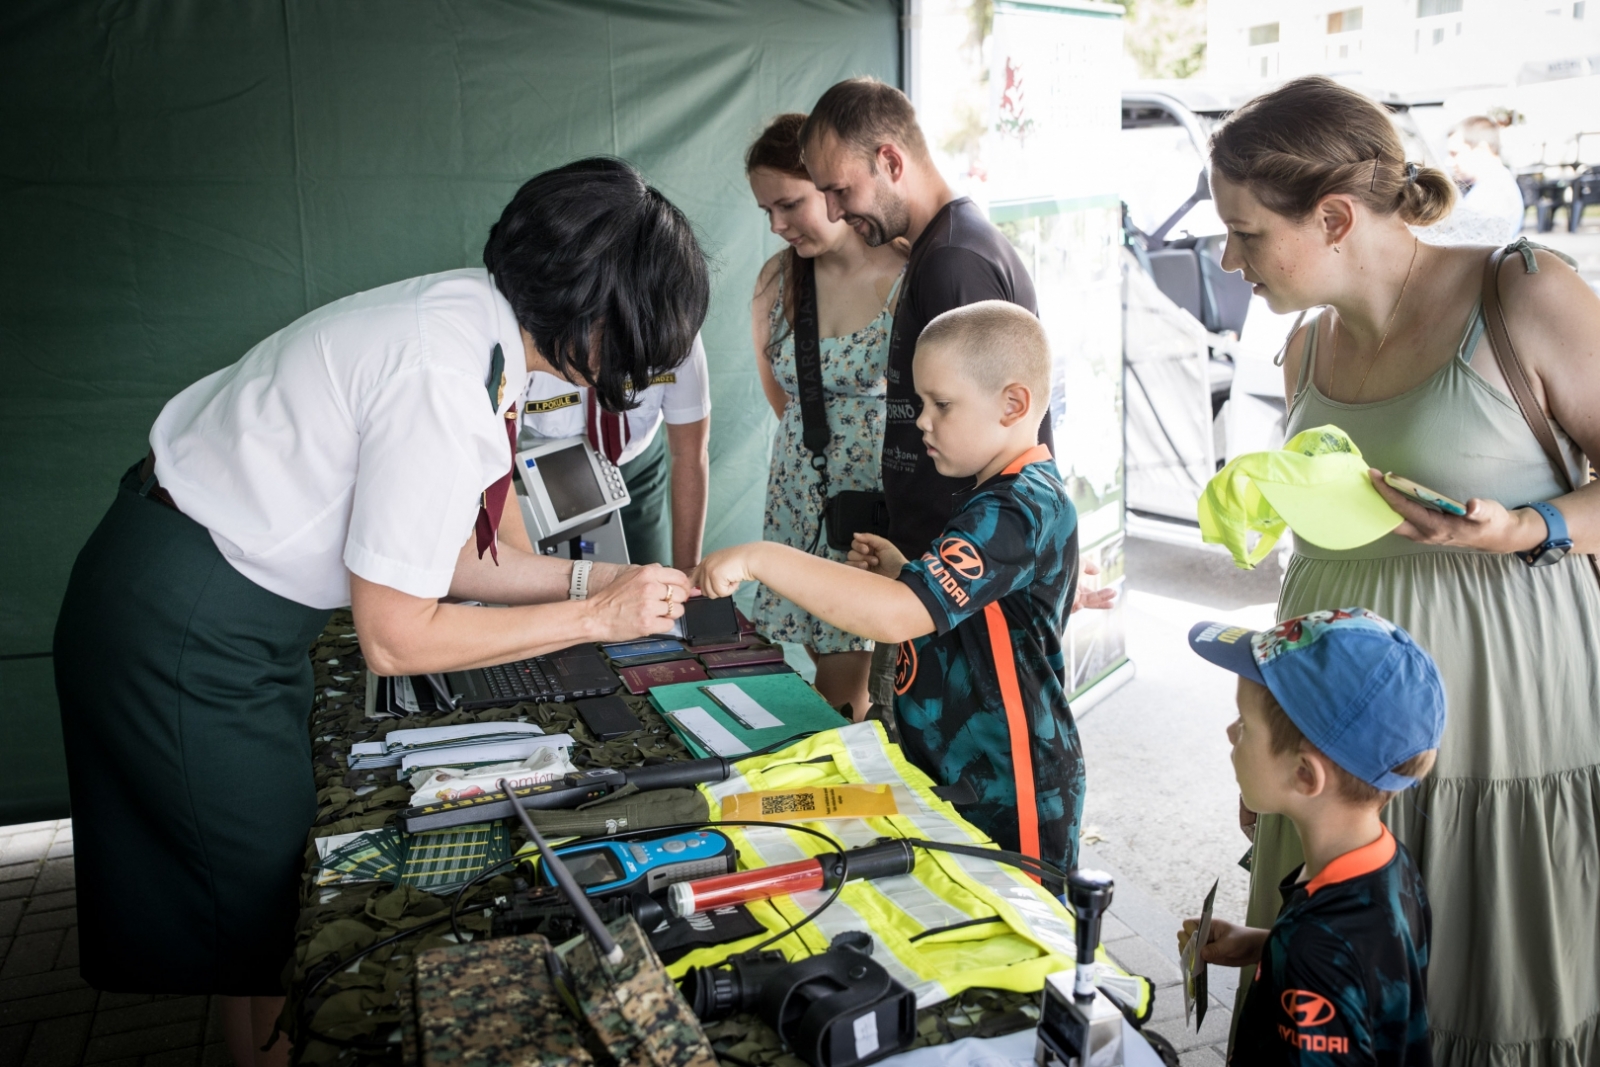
[569, 479]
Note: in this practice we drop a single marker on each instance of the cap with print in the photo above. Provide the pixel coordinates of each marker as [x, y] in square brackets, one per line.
[1354, 683]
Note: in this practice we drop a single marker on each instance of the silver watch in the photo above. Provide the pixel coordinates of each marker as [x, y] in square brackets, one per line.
[578, 589]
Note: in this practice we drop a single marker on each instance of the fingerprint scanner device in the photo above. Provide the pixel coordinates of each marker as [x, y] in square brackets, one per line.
[617, 868]
[1079, 1026]
[568, 489]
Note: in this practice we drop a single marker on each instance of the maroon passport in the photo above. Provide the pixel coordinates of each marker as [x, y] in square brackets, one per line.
[642, 679]
[740, 657]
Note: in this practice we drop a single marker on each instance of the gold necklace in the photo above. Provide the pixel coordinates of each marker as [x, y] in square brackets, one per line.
[1415, 244]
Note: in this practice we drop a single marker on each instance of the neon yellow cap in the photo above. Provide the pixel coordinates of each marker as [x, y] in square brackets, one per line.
[1316, 485]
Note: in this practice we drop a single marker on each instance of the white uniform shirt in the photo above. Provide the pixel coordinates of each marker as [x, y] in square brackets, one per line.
[361, 435]
[554, 407]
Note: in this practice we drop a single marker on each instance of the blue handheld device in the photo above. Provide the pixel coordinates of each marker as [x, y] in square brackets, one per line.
[610, 868]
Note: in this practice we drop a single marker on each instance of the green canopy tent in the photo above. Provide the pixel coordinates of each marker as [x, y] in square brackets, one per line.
[178, 180]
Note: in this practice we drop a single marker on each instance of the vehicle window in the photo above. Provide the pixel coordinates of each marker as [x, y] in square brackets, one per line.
[1156, 164]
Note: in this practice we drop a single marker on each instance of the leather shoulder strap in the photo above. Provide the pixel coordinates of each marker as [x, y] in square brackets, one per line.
[1511, 368]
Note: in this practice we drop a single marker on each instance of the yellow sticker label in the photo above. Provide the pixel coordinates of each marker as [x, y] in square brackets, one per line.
[665, 378]
[554, 403]
[812, 802]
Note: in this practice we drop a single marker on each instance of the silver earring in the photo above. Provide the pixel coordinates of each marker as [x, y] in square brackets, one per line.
[1336, 249]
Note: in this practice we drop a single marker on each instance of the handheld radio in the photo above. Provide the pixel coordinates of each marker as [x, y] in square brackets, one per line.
[620, 868]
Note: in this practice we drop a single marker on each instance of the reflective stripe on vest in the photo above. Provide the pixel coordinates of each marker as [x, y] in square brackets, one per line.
[1033, 937]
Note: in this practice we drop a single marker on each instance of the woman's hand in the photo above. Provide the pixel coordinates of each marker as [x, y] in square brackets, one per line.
[872, 553]
[721, 573]
[1229, 944]
[1487, 525]
[639, 602]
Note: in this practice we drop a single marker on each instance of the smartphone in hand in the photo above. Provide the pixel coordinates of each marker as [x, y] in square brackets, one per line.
[1424, 496]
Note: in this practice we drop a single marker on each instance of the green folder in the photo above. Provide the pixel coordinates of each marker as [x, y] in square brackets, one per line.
[799, 708]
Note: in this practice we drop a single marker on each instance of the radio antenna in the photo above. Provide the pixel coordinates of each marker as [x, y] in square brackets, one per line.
[609, 950]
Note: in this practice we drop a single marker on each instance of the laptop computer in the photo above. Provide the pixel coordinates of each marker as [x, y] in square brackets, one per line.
[567, 674]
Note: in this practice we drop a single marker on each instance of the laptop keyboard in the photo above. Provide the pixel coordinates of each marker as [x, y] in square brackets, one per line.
[526, 679]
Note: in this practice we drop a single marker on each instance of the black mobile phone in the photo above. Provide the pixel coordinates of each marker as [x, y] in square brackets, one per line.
[607, 717]
[705, 620]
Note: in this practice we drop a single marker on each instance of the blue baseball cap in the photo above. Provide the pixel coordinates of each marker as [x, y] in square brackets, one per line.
[1354, 683]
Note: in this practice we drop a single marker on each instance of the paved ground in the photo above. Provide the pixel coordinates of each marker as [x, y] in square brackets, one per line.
[1162, 808]
[48, 1016]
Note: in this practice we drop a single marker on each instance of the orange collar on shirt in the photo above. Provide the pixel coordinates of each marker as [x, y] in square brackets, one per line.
[1036, 454]
[1355, 863]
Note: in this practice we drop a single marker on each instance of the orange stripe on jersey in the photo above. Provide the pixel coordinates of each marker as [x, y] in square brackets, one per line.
[1036, 454]
[1005, 669]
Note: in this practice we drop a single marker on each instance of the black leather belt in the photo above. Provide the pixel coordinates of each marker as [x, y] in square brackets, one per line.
[148, 486]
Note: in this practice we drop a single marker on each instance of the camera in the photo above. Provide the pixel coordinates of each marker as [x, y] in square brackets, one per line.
[838, 1008]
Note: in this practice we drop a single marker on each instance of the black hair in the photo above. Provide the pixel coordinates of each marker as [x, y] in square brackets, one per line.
[603, 272]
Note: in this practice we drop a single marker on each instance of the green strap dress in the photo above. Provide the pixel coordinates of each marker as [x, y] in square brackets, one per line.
[185, 691]
[1505, 829]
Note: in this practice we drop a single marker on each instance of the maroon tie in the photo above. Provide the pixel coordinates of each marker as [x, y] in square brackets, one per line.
[608, 431]
[493, 502]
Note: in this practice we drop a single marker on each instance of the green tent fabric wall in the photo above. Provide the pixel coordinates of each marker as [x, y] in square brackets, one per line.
[178, 180]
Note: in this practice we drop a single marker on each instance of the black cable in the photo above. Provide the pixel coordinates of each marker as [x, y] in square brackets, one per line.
[343, 965]
[455, 903]
[930, 931]
[451, 915]
[1027, 864]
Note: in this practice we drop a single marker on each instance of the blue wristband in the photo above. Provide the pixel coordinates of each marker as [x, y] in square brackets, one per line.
[1556, 543]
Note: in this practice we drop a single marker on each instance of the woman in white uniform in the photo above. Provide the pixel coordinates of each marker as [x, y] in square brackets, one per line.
[358, 456]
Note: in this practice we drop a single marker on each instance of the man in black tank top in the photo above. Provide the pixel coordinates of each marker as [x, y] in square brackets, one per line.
[866, 153]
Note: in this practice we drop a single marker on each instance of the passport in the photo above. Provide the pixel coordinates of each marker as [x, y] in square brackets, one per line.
[743, 641]
[642, 679]
[740, 657]
[750, 670]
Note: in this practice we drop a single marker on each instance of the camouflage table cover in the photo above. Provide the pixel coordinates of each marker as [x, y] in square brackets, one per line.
[353, 1017]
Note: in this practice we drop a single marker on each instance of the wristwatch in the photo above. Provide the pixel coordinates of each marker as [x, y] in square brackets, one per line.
[578, 589]
[1556, 544]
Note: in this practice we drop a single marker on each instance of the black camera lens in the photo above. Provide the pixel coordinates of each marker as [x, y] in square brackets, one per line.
[713, 993]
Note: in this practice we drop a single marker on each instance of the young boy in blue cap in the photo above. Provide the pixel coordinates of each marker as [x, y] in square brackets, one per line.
[1338, 712]
[980, 687]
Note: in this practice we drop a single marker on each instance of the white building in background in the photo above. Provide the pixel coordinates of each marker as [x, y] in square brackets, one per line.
[1404, 46]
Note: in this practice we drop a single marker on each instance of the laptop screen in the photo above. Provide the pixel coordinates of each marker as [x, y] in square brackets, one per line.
[569, 479]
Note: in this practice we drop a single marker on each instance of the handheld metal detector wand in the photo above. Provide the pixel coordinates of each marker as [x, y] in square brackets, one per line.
[574, 893]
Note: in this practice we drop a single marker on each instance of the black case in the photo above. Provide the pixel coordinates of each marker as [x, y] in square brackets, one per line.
[607, 717]
[708, 620]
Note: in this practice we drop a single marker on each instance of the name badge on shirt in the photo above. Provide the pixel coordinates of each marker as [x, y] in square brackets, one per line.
[554, 403]
[666, 377]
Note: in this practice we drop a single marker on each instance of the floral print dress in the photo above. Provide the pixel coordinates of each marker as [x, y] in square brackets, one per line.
[854, 383]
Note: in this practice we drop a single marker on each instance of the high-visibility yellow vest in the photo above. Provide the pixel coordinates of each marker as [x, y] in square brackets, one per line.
[955, 922]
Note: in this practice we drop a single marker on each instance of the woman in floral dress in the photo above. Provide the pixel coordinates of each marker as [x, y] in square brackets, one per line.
[856, 288]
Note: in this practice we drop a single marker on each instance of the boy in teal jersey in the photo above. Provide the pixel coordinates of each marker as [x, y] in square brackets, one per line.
[1338, 712]
[980, 687]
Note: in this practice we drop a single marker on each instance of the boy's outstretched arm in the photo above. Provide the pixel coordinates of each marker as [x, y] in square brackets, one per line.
[858, 601]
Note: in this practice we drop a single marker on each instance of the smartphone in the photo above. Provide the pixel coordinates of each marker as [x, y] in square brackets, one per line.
[705, 621]
[608, 717]
[1424, 496]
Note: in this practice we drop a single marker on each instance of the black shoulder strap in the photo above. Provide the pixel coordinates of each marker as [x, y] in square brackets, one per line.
[808, 364]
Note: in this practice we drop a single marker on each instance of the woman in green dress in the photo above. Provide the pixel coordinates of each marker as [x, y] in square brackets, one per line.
[1318, 197]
